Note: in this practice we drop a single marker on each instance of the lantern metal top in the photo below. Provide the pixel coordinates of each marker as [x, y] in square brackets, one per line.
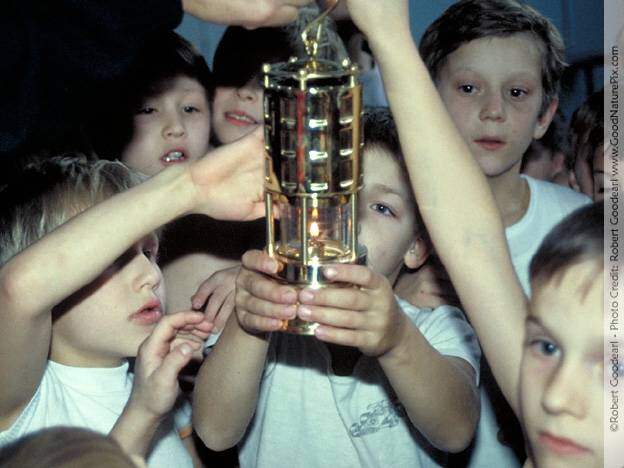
[300, 73]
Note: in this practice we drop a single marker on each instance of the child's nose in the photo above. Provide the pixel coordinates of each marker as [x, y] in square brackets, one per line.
[565, 392]
[148, 273]
[492, 107]
[247, 93]
[173, 126]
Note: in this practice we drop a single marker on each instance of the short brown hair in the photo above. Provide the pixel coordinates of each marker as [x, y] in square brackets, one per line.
[380, 131]
[577, 238]
[468, 20]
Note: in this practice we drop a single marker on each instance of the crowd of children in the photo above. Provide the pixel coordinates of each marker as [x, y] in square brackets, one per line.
[394, 374]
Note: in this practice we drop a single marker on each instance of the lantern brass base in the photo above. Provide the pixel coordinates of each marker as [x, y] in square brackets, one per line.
[310, 277]
[298, 326]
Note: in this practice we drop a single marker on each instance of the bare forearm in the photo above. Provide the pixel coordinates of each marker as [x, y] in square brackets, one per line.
[78, 251]
[465, 234]
[440, 398]
[226, 391]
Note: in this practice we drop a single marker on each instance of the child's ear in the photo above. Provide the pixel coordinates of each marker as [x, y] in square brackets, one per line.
[417, 254]
[543, 121]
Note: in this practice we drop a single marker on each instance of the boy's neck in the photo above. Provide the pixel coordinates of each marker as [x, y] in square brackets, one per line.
[512, 195]
[67, 358]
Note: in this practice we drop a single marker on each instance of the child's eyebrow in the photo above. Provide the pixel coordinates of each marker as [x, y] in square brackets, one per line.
[387, 189]
[533, 320]
[194, 89]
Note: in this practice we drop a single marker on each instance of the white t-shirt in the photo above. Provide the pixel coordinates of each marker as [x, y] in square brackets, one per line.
[93, 398]
[308, 417]
[549, 204]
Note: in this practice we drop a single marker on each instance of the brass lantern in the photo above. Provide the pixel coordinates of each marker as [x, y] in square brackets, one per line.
[313, 135]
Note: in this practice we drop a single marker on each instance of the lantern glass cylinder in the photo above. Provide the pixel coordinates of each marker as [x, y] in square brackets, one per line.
[323, 232]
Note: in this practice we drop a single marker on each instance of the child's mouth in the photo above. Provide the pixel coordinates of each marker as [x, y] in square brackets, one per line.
[561, 445]
[239, 118]
[173, 157]
[490, 144]
[147, 315]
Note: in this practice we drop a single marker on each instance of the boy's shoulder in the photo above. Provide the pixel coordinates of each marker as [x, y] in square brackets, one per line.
[446, 329]
[422, 315]
[73, 396]
[550, 196]
[445, 322]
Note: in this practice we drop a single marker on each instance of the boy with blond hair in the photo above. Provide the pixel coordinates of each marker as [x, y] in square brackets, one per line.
[80, 293]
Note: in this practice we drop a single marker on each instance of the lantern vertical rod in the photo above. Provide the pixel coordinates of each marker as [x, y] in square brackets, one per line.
[270, 221]
[304, 230]
[354, 227]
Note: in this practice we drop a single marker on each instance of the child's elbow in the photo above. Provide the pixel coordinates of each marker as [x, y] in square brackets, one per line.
[13, 288]
[216, 438]
[460, 431]
[460, 439]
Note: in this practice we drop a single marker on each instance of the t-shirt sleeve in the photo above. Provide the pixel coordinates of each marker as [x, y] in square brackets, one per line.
[448, 331]
[210, 342]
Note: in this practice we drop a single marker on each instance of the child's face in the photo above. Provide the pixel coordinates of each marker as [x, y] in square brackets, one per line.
[385, 214]
[236, 111]
[109, 318]
[169, 128]
[562, 370]
[492, 88]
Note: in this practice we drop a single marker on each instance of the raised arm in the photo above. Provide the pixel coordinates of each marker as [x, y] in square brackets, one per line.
[452, 194]
[228, 184]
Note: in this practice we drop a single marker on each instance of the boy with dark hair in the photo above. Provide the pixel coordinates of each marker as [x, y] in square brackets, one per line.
[158, 113]
[237, 64]
[383, 383]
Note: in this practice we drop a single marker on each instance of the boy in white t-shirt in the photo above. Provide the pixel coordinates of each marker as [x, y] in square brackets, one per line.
[497, 65]
[382, 384]
[80, 293]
